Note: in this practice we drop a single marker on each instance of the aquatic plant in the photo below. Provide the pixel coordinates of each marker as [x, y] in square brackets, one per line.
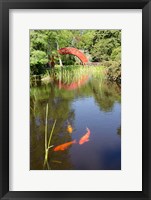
[68, 74]
[47, 142]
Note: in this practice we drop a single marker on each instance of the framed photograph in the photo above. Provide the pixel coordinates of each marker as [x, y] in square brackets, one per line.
[75, 99]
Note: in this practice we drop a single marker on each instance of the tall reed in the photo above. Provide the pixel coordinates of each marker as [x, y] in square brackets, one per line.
[47, 142]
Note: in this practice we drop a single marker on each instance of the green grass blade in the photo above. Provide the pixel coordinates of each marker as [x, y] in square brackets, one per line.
[46, 124]
[51, 133]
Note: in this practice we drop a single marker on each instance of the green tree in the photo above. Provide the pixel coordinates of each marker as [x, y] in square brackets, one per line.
[37, 60]
[44, 44]
[106, 45]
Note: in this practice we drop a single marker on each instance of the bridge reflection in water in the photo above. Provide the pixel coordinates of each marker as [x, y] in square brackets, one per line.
[87, 102]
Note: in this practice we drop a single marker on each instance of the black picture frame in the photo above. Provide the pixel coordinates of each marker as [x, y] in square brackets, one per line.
[5, 5]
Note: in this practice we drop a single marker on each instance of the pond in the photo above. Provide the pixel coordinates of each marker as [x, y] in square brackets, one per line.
[88, 124]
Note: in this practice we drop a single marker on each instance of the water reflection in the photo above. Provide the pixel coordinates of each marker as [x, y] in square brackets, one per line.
[95, 104]
[73, 85]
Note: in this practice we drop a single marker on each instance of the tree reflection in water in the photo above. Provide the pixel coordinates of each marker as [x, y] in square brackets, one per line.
[60, 101]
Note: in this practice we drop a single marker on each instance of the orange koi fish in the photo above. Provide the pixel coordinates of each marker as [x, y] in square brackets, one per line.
[64, 146]
[85, 138]
[69, 128]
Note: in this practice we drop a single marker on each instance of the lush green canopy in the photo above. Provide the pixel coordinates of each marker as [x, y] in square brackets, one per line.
[98, 45]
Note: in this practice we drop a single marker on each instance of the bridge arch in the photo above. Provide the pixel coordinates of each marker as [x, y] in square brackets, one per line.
[75, 52]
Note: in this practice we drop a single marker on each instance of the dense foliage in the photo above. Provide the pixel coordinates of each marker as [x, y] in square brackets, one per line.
[103, 46]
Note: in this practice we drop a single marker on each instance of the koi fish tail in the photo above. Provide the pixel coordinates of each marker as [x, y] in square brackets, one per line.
[88, 129]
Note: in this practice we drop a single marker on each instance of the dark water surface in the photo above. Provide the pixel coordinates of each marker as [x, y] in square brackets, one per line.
[91, 103]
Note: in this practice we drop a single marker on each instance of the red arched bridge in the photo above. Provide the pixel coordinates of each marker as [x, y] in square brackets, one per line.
[75, 52]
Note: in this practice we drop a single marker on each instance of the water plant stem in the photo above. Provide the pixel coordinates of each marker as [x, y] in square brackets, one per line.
[47, 142]
[46, 124]
[51, 134]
